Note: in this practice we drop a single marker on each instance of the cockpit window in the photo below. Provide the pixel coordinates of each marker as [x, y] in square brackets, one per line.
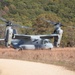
[46, 42]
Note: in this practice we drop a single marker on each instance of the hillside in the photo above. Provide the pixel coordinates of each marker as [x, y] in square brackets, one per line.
[29, 13]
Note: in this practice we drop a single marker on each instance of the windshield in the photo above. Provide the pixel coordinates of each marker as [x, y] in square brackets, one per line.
[46, 41]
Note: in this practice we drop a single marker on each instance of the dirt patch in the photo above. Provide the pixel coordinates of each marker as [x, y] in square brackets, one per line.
[17, 67]
[0, 72]
[60, 56]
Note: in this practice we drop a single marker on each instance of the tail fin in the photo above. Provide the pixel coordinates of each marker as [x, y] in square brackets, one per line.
[14, 31]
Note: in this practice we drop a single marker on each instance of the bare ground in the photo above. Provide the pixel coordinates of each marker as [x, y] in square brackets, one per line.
[17, 67]
[58, 56]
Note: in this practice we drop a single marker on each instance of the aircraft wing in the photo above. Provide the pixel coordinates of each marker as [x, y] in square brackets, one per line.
[48, 36]
[22, 36]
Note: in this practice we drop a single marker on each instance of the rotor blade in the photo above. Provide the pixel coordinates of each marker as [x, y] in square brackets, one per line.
[70, 26]
[21, 26]
[26, 27]
[2, 24]
[54, 23]
[4, 20]
[51, 22]
[12, 24]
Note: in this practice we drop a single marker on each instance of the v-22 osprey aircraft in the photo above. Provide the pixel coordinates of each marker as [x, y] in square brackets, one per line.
[22, 41]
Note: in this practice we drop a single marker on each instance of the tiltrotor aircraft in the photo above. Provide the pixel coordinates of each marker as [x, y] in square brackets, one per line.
[22, 41]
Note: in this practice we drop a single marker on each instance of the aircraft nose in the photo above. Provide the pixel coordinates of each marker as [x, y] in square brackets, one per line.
[49, 45]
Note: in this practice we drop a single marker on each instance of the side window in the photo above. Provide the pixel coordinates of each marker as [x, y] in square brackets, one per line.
[46, 41]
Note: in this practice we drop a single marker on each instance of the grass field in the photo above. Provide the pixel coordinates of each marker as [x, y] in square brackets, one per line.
[58, 56]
